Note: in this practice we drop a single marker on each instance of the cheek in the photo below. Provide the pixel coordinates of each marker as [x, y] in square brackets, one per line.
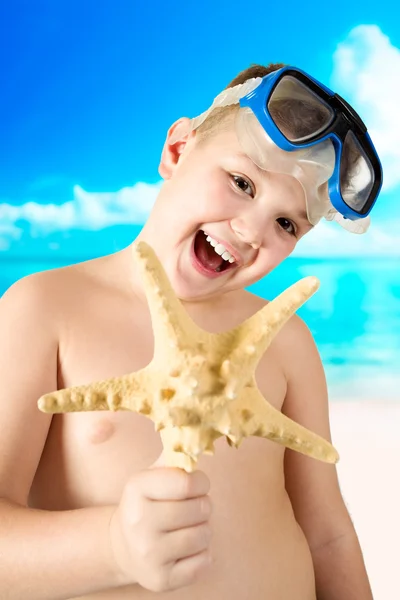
[285, 246]
[220, 195]
[213, 199]
[276, 251]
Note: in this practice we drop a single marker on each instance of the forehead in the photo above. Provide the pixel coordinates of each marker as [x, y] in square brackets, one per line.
[223, 149]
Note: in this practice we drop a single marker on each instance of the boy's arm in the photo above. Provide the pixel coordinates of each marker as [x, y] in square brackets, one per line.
[312, 485]
[44, 555]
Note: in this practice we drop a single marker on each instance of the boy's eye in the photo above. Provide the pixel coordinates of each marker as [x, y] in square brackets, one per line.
[244, 185]
[287, 225]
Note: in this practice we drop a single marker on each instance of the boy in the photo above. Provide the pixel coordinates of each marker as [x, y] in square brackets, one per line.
[87, 509]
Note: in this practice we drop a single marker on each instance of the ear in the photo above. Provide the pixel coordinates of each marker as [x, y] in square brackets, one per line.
[178, 136]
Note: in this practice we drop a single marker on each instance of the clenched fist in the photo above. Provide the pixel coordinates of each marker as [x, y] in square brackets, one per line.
[160, 532]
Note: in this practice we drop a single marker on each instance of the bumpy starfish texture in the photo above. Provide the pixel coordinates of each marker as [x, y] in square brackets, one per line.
[200, 385]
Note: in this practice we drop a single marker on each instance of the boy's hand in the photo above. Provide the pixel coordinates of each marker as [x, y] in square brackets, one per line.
[160, 531]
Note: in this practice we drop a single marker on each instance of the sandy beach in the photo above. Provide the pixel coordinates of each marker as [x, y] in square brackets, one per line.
[367, 437]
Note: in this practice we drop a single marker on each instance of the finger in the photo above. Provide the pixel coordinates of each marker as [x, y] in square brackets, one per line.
[172, 484]
[183, 543]
[188, 570]
[179, 514]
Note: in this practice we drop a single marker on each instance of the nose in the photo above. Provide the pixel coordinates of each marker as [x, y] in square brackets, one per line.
[247, 233]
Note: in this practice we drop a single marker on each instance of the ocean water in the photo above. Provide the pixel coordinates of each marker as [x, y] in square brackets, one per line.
[354, 317]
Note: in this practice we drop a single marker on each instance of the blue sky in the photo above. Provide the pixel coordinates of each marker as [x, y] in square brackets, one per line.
[89, 90]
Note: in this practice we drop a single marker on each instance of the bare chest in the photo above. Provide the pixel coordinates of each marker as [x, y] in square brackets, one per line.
[89, 456]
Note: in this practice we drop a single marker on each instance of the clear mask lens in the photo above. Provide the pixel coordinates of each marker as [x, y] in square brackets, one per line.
[297, 111]
[356, 174]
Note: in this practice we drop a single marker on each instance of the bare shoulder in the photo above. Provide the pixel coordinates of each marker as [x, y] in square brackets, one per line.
[31, 297]
[32, 313]
[46, 291]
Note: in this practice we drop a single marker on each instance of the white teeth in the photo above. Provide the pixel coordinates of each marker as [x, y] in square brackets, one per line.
[220, 249]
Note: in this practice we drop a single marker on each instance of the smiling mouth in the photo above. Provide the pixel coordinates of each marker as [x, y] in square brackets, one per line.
[211, 255]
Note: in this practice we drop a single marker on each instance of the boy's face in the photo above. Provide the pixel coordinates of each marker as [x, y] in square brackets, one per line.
[211, 188]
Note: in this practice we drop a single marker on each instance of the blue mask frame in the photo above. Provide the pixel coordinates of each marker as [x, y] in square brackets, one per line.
[345, 119]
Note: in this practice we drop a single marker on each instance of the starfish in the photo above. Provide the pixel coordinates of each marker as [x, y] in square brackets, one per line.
[199, 386]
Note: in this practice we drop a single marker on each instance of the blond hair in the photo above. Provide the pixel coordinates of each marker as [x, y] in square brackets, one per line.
[220, 119]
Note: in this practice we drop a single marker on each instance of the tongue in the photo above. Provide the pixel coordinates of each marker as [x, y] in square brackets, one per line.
[206, 253]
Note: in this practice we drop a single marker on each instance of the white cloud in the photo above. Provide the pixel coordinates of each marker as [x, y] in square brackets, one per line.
[367, 73]
[87, 210]
[329, 239]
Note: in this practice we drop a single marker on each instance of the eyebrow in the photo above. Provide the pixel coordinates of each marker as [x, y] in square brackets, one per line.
[300, 215]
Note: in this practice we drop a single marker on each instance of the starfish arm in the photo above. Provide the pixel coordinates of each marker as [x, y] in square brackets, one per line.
[252, 415]
[172, 326]
[183, 446]
[253, 336]
[173, 454]
[130, 392]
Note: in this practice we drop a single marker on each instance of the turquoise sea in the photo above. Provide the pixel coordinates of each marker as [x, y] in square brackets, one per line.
[354, 317]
